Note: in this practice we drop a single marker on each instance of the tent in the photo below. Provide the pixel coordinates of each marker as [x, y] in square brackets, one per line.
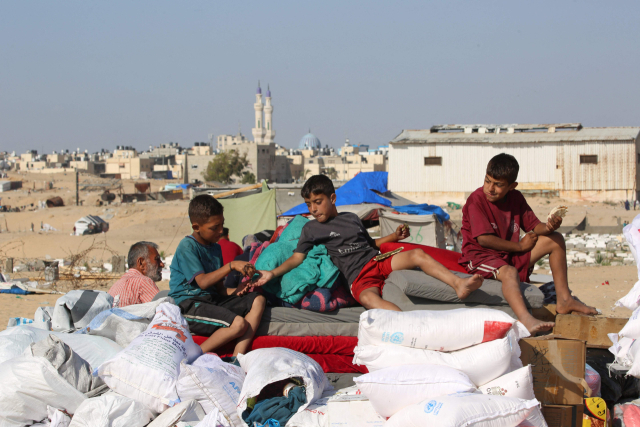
[250, 214]
[90, 224]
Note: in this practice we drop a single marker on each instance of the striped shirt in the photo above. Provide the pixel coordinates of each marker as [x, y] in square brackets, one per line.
[133, 288]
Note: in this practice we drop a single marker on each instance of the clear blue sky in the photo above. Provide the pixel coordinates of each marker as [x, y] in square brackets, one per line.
[95, 74]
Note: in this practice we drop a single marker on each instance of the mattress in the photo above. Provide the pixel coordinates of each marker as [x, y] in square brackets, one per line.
[289, 321]
[418, 284]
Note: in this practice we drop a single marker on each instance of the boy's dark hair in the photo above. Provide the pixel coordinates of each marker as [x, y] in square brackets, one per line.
[503, 166]
[225, 232]
[202, 207]
[317, 184]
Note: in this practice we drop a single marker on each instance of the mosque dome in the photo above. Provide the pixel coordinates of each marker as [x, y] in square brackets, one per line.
[309, 141]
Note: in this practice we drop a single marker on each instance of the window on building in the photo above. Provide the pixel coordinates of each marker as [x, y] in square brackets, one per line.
[194, 166]
[433, 161]
[588, 159]
[258, 124]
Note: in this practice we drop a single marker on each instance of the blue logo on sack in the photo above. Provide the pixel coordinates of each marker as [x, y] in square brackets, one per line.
[397, 338]
[432, 406]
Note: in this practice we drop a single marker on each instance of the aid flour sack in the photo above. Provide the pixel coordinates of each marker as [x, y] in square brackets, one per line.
[482, 363]
[391, 389]
[446, 330]
[268, 365]
[214, 384]
[147, 370]
[465, 409]
[518, 383]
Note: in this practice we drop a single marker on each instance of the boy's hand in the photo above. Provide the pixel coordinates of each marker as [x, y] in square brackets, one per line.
[244, 288]
[402, 232]
[246, 268]
[553, 223]
[528, 242]
[265, 277]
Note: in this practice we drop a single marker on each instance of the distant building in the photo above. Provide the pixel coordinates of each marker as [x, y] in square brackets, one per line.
[126, 164]
[566, 159]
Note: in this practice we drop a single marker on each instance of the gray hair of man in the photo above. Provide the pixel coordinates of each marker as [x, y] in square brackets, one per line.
[139, 250]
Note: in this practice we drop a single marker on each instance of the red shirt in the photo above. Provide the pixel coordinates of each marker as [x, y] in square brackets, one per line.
[503, 219]
[230, 250]
[133, 288]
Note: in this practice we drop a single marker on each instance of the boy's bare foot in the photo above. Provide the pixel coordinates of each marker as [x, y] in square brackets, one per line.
[571, 305]
[534, 325]
[464, 286]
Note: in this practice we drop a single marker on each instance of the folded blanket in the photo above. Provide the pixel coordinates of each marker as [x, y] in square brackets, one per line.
[323, 299]
[317, 270]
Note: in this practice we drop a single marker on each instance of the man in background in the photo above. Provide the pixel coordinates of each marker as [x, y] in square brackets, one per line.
[138, 284]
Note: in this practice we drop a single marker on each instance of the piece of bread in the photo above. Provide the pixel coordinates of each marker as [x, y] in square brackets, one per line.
[559, 211]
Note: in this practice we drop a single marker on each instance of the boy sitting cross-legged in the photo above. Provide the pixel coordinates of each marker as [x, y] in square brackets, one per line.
[492, 219]
[197, 272]
[352, 250]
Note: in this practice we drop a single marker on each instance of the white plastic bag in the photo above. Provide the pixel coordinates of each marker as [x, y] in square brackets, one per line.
[95, 350]
[518, 383]
[446, 330]
[122, 325]
[624, 349]
[268, 365]
[394, 388]
[632, 328]
[465, 409]
[147, 370]
[214, 384]
[77, 308]
[632, 234]
[188, 411]
[314, 415]
[535, 419]
[482, 363]
[29, 385]
[111, 410]
[42, 318]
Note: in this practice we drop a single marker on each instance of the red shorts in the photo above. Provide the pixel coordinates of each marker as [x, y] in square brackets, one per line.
[488, 266]
[373, 275]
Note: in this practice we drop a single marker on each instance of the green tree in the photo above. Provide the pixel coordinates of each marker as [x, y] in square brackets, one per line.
[332, 173]
[306, 172]
[224, 166]
[248, 178]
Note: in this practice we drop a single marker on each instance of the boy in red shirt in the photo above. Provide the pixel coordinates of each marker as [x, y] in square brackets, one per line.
[491, 222]
[230, 250]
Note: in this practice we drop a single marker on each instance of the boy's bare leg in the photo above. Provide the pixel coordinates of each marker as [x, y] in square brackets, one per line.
[508, 275]
[370, 298]
[553, 245]
[224, 335]
[416, 258]
[253, 320]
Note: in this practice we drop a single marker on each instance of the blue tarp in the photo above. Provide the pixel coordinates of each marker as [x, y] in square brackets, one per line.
[355, 192]
[424, 209]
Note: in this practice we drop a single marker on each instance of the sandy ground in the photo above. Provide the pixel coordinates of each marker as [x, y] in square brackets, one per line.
[166, 223]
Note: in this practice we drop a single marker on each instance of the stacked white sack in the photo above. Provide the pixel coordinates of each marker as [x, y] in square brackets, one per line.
[631, 234]
[148, 369]
[216, 385]
[446, 330]
[269, 365]
[462, 409]
[624, 349]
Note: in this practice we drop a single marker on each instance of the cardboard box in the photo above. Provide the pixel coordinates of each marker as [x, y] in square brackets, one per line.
[563, 415]
[546, 313]
[591, 329]
[558, 368]
[350, 408]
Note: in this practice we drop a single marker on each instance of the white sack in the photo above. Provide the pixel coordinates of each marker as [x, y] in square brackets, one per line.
[42, 318]
[518, 383]
[147, 370]
[632, 328]
[69, 365]
[535, 419]
[268, 365]
[95, 350]
[122, 325]
[58, 418]
[391, 389]
[111, 410]
[314, 415]
[214, 384]
[29, 385]
[77, 308]
[189, 410]
[465, 409]
[632, 299]
[624, 349]
[446, 330]
[482, 363]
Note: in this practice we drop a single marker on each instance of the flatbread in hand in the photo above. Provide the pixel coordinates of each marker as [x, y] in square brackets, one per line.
[559, 211]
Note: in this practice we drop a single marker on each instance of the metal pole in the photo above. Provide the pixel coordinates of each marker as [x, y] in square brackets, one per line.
[77, 195]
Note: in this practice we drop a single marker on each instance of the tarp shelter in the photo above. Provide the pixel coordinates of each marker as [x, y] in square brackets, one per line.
[90, 224]
[360, 189]
[424, 229]
[250, 214]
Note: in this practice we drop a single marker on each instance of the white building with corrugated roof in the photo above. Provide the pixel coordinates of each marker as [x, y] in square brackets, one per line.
[564, 159]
